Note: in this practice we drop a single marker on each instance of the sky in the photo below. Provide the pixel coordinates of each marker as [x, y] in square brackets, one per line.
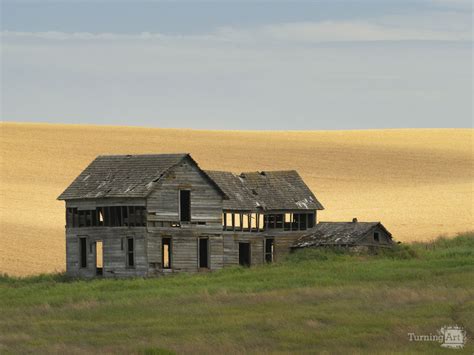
[247, 65]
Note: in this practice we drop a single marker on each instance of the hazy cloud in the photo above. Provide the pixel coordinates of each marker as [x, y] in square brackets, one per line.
[386, 72]
[326, 31]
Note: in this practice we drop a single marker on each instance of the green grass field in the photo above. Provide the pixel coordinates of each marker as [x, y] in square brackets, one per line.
[316, 301]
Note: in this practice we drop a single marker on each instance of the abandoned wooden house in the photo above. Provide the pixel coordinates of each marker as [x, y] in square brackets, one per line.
[140, 215]
[356, 236]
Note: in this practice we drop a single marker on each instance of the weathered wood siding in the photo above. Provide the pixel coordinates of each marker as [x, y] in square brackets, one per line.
[206, 201]
[384, 239]
[231, 247]
[184, 250]
[114, 256]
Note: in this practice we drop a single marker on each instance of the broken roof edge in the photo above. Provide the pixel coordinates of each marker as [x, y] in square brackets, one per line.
[242, 176]
[263, 172]
[101, 156]
[60, 197]
[156, 179]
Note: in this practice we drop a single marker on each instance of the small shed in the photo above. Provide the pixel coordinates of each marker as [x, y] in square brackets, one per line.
[359, 236]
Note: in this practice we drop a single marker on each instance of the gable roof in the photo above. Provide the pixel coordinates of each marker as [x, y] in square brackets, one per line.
[337, 233]
[267, 190]
[123, 176]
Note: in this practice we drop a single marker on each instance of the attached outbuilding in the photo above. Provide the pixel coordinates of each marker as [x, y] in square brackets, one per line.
[357, 236]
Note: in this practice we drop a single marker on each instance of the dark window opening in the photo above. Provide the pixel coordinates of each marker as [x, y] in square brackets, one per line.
[166, 253]
[279, 221]
[130, 252]
[140, 217]
[244, 254]
[83, 252]
[75, 218]
[82, 218]
[270, 221]
[203, 252]
[296, 221]
[310, 220]
[184, 205]
[88, 218]
[107, 219]
[269, 250]
[303, 221]
[125, 216]
[69, 217]
[94, 219]
[131, 217]
[376, 237]
[290, 221]
[115, 216]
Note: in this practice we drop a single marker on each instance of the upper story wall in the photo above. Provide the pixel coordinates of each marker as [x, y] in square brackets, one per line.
[163, 203]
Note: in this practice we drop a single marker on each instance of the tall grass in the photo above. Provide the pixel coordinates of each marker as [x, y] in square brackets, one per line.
[315, 301]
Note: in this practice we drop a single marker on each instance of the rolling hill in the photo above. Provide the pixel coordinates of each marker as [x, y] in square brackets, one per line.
[418, 182]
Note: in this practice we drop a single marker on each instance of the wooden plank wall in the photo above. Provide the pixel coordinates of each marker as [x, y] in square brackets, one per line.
[206, 201]
[114, 257]
[384, 239]
[184, 249]
[231, 247]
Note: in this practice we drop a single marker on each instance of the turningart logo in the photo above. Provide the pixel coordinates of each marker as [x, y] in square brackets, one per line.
[452, 337]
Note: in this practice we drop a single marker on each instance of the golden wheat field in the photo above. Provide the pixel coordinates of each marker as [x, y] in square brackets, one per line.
[418, 182]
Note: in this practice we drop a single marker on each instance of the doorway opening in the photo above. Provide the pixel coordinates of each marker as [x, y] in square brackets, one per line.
[83, 251]
[204, 253]
[244, 254]
[99, 258]
[166, 253]
[269, 250]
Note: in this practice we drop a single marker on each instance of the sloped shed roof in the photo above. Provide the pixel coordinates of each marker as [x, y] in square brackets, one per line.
[268, 190]
[337, 233]
[122, 176]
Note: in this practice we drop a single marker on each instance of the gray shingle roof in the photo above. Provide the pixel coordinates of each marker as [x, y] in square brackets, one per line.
[336, 233]
[268, 190]
[134, 176]
[121, 176]
[239, 196]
